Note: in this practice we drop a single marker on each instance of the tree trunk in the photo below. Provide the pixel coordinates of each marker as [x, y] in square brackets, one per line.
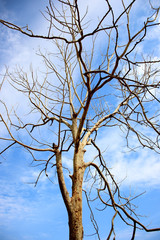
[75, 224]
[75, 216]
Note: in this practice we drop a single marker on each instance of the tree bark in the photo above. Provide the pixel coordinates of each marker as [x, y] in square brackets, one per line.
[75, 222]
[75, 216]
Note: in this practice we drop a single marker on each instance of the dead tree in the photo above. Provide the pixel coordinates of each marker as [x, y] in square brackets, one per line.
[92, 82]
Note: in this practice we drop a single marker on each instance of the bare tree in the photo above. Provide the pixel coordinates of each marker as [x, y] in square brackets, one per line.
[92, 82]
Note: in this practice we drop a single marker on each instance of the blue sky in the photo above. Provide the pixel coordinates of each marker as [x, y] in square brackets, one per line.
[29, 213]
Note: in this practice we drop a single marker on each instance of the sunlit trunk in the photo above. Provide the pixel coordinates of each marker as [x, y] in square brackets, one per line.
[75, 216]
[75, 219]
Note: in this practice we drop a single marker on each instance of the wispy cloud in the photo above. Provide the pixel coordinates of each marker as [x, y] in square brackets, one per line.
[140, 168]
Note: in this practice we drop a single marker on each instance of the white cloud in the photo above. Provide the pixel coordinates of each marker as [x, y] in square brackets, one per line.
[67, 162]
[124, 234]
[12, 204]
[138, 169]
[155, 3]
[31, 177]
[21, 201]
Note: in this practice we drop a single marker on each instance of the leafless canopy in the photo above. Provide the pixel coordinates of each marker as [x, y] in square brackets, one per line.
[95, 79]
